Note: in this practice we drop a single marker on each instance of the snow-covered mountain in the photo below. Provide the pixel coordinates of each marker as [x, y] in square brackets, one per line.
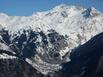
[45, 39]
[73, 21]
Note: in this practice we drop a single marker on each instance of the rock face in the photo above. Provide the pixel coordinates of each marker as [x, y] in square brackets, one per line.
[86, 60]
[17, 68]
[43, 51]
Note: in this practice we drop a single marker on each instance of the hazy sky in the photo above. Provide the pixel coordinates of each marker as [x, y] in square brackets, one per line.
[27, 7]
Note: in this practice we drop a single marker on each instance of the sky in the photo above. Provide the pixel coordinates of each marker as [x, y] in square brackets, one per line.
[28, 7]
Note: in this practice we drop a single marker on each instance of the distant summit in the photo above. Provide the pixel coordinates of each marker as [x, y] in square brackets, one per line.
[45, 39]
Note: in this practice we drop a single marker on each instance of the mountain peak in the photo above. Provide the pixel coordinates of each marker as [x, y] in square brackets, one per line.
[61, 6]
[69, 29]
[90, 12]
[64, 6]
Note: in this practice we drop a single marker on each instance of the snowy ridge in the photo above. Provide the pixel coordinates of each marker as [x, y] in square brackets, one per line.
[57, 31]
[42, 66]
[6, 56]
[64, 19]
